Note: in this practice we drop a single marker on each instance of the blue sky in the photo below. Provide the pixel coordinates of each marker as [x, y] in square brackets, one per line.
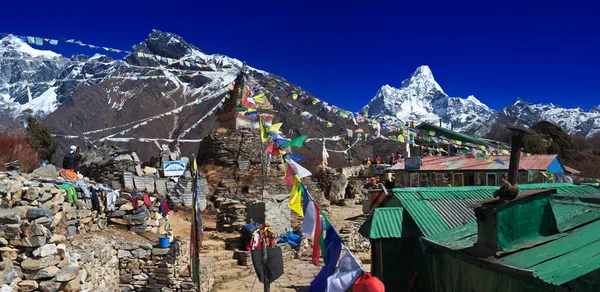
[343, 52]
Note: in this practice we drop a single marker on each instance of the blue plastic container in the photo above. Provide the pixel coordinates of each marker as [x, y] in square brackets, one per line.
[164, 242]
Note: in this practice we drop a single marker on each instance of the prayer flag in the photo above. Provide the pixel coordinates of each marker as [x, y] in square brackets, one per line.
[31, 40]
[295, 157]
[278, 139]
[263, 133]
[333, 244]
[348, 270]
[298, 169]
[295, 143]
[295, 202]
[311, 224]
[289, 175]
[274, 128]
[53, 42]
[196, 233]
[259, 98]
[273, 150]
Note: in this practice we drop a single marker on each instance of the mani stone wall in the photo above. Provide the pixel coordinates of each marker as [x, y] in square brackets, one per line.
[273, 211]
[143, 267]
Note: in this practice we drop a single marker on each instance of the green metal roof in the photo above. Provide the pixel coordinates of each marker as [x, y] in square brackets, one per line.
[426, 217]
[433, 211]
[453, 134]
[557, 261]
[388, 223]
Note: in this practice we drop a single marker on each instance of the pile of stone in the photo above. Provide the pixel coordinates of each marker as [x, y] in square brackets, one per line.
[97, 258]
[143, 267]
[231, 216]
[353, 239]
[143, 219]
[106, 164]
[333, 184]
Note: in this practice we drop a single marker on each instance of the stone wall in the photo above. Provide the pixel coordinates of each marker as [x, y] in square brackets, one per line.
[275, 212]
[98, 260]
[143, 267]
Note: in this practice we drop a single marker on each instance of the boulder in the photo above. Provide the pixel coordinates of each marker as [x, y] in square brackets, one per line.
[10, 231]
[117, 213]
[7, 275]
[34, 230]
[124, 254]
[57, 238]
[141, 253]
[160, 251]
[71, 286]
[28, 285]
[48, 171]
[67, 274]
[45, 250]
[337, 191]
[45, 198]
[9, 253]
[50, 286]
[126, 207]
[34, 241]
[31, 264]
[45, 273]
[32, 194]
[34, 213]
[129, 246]
[8, 216]
[119, 221]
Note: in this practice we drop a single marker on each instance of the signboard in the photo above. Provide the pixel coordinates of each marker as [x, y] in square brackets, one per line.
[174, 168]
[412, 163]
[378, 170]
[244, 165]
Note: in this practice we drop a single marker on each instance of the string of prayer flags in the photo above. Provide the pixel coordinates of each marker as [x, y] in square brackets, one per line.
[333, 244]
[297, 142]
[300, 171]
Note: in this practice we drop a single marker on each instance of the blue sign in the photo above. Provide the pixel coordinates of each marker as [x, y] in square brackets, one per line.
[412, 163]
[174, 168]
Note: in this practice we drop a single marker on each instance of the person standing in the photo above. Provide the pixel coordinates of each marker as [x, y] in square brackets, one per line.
[377, 159]
[72, 159]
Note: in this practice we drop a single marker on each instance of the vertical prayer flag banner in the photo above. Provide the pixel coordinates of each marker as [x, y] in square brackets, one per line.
[295, 202]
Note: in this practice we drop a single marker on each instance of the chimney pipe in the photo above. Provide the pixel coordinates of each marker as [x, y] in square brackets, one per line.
[518, 132]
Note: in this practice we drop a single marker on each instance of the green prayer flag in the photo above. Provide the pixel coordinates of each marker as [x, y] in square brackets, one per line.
[295, 143]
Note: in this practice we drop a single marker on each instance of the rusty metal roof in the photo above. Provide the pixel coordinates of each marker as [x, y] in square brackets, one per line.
[571, 170]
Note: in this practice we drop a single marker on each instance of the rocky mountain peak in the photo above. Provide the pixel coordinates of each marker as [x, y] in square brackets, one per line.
[595, 109]
[422, 81]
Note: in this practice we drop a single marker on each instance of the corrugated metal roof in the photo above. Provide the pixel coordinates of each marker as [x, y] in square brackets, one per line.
[571, 170]
[557, 261]
[426, 217]
[455, 212]
[388, 223]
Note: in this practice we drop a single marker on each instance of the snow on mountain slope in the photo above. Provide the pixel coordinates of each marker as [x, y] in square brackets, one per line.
[574, 120]
[420, 98]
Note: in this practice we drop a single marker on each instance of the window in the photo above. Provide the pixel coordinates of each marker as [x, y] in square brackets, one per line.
[458, 180]
[414, 179]
[491, 179]
[425, 179]
[480, 179]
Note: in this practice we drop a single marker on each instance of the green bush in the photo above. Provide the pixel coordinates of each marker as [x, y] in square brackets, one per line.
[39, 138]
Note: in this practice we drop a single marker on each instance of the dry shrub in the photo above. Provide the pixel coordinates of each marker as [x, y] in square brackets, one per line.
[15, 147]
[222, 131]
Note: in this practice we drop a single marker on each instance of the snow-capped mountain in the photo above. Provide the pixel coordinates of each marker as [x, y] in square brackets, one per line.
[574, 121]
[420, 98]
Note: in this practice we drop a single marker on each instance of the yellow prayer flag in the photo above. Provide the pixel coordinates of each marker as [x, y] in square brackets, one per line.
[295, 202]
[274, 128]
[401, 138]
[295, 96]
[258, 98]
[263, 134]
[431, 133]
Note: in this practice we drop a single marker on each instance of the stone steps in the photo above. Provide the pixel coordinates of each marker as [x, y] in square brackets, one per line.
[221, 255]
[213, 245]
[231, 274]
[225, 264]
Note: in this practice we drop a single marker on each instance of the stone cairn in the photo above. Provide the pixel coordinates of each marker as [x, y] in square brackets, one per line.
[106, 164]
[231, 216]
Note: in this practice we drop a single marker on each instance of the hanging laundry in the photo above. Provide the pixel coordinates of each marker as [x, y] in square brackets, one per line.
[95, 200]
[71, 192]
[111, 199]
[134, 202]
[147, 201]
[163, 208]
[85, 188]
